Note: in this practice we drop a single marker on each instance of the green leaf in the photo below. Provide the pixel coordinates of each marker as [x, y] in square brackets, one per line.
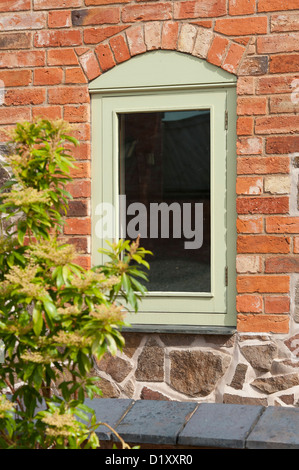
[51, 309]
[37, 318]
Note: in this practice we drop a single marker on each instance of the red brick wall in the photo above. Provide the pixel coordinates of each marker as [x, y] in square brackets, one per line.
[51, 49]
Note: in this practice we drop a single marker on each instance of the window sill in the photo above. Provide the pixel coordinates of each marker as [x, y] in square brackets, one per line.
[186, 329]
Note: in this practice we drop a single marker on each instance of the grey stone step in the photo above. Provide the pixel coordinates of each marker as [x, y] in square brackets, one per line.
[220, 425]
[155, 422]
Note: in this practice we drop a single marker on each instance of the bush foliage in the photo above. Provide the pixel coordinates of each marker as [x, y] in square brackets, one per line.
[55, 316]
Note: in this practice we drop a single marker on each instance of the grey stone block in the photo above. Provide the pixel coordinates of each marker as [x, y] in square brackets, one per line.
[155, 422]
[110, 411]
[278, 428]
[220, 425]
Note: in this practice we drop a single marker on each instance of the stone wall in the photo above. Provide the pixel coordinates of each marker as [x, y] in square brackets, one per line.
[245, 368]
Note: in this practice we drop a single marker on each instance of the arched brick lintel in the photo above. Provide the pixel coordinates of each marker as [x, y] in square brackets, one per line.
[181, 37]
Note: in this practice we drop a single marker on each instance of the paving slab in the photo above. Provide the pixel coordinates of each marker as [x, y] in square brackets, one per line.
[220, 425]
[110, 411]
[278, 428]
[155, 422]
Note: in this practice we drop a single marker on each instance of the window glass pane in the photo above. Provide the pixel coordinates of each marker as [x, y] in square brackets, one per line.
[164, 187]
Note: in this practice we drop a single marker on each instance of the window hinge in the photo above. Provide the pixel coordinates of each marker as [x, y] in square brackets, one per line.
[226, 276]
[226, 119]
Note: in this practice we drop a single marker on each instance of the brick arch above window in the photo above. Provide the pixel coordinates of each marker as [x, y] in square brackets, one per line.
[139, 38]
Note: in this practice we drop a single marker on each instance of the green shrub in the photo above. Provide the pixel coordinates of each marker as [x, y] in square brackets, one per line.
[55, 316]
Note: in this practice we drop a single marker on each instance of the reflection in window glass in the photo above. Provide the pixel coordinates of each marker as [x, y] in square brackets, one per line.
[164, 183]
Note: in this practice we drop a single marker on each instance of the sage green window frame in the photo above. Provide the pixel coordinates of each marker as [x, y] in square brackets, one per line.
[166, 81]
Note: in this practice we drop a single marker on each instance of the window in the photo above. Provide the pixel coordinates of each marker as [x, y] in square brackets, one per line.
[163, 166]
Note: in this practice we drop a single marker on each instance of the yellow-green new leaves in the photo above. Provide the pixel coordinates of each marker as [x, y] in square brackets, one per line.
[55, 316]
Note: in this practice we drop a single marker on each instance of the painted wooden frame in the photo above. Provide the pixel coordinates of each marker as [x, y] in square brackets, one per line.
[165, 81]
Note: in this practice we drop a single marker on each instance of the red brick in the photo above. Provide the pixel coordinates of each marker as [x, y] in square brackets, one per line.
[284, 224]
[81, 50]
[94, 16]
[241, 7]
[199, 9]
[90, 65]
[103, 2]
[32, 20]
[245, 86]
[105, 57]
[243, 40]
[284, 63]
[249, 303]
[170, 32]
[263, 244]
[15, 5]
[277, 125]
[57, 38]
[249, 224]
[120, 49]
[278, 43]
[48, 76]
[81, 133]
[68, 95]
[275, 84]
[282, 264]
[79, 188]
[76, 226]
[242, 26]
[99, 34]
[81, 152]
[277, 304]
[12, 78]
[135, 38]
[262, 323]
[82, 169]
[157, 11]
[282, 144]
[79, 242]
[277, 5]
[14, 115]
[49, 4]
[252, 105]
[249, 185]
[245, 125]
[75, 75]
[4, 130]
[285, 22]
[62, 57]
[296, 244]
[15, 40]
[59, 19]
[204, 23]
[249, 146]
[263, 165]
[267, 284]
[76, 113]
[83, 261]
[25, 96]
[263, 205]
[47, 112]
[233, 58]
[283, 104]
[22, 59]
[217, 50]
